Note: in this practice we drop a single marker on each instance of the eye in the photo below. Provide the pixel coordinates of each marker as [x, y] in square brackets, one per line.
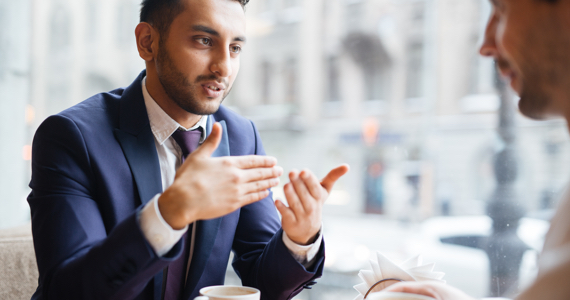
[205, 41]
[235, 49]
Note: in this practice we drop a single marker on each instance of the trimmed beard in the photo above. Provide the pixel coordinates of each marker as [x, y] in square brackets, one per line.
[179, 88]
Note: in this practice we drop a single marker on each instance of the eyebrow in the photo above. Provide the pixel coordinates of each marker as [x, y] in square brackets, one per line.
[213, 32]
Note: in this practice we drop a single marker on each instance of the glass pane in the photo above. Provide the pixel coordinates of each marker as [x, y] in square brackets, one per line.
[396, 89]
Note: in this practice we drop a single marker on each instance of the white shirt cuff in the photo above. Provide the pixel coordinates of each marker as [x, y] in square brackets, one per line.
[305, 255]
[158, 233]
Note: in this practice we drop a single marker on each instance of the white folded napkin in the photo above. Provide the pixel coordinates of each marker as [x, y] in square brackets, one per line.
[410, 270]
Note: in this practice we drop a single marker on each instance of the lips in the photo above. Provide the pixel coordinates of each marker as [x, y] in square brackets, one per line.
[512, 77]
[507, 73]
[213, 89]
[214, 86]
[505, 68]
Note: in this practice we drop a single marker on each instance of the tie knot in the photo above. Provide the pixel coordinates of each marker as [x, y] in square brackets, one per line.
[187, 140]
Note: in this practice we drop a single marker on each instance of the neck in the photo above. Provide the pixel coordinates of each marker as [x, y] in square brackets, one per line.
[157, 92]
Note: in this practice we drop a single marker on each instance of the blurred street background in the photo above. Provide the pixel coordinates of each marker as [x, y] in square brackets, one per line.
[394, 88]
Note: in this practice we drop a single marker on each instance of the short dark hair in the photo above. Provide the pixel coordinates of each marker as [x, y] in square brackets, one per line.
[161, 13]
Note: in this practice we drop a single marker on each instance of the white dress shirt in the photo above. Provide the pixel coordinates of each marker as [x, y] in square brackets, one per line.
[158, 233]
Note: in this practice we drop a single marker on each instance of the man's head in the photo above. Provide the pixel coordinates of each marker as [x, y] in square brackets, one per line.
[192, 48]
[530, 39]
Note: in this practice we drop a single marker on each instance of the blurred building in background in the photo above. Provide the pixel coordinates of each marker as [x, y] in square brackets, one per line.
[54, 54]
[395, 88]
[15, 69]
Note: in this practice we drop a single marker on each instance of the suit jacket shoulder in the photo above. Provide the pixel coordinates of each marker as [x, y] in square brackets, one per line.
[97, 110]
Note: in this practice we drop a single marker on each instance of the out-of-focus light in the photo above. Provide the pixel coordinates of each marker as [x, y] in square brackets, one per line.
[338, 197]
[27, 152]
[332, 257]
[257, 27]
[361, 253]
[30, 114]
[370, 129]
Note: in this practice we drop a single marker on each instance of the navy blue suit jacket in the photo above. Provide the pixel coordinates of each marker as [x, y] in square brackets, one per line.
[95, 165]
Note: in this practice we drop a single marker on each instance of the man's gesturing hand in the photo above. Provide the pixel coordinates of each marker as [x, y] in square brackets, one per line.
[306, 197]
[208, 187]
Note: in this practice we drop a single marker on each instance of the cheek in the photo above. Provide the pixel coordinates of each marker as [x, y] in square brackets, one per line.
[235, 69]
[194, 58]
[508, 40]
[502, 35]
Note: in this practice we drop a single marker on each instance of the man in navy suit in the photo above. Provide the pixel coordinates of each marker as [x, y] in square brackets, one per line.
[118, 205]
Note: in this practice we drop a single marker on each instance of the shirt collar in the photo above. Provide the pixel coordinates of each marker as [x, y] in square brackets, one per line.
[161, 124]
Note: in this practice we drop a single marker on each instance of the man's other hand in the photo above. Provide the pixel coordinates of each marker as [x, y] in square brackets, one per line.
[435, 290]
[208, 187]
[306, 196]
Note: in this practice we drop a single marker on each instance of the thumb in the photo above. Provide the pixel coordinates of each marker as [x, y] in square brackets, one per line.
[212, 142]
[329, 180]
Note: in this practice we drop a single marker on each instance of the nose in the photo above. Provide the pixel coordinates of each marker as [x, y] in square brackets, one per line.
[489, 46]
[221, 65]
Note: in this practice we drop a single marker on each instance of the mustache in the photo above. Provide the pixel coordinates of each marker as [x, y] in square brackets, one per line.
[212, 77]
[502, 63]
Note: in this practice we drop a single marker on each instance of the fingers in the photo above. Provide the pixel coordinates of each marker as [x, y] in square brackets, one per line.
[293, 199]
[435, 290]
[303, 194]
[252, 197]
[257, 174]
[286, 212]
[253, 161]
[406, 288]
[329, 180]
[312, 184]
[211, 143]
[257, 186]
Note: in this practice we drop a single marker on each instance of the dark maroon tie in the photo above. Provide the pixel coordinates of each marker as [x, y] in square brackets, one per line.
[176, 276]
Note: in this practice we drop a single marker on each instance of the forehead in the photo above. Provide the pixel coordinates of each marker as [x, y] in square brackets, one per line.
[224, 16]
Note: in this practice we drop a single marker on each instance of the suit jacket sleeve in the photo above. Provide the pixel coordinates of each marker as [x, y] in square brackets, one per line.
[261, 258]
[79, 255]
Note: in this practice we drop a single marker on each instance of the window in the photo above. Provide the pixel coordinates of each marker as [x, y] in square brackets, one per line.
[333, 79]
[266, 77]
[291, 80]
[419, 182]
[415, 70]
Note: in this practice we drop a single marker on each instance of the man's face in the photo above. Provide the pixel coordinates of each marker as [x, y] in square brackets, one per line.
[198, 59]
[529, 40]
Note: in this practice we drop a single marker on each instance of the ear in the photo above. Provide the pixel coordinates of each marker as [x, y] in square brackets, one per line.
[147, 41]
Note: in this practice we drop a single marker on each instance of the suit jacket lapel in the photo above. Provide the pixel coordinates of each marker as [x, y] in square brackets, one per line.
[207, 230]
[137, 141]
[224, 147]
